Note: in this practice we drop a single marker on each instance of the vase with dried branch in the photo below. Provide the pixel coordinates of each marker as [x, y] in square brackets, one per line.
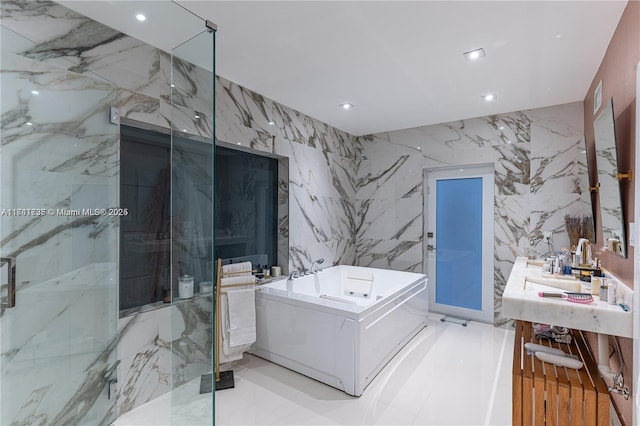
[573, 223]
[578, 227]
[587, 230]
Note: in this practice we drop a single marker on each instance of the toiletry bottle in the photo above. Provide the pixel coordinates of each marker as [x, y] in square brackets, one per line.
[604, 291]
[611, 293]
[596, 282]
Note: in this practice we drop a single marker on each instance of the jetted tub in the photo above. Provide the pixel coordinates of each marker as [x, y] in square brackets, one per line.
[313, 326]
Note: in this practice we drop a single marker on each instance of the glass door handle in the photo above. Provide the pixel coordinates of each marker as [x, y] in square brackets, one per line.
[11, 281]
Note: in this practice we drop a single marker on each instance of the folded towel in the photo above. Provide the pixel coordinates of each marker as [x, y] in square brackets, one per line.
[236, 268]
[238, 279]
[242, 317]
[357, 287]
[227, 354]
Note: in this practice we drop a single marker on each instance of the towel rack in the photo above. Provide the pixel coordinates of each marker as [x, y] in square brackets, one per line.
[224, 379]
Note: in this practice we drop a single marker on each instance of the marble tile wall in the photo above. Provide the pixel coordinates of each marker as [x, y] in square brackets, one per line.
[537, 155]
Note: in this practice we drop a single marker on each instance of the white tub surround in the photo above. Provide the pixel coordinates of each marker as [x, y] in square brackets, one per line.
[313, 326]
[521, 301]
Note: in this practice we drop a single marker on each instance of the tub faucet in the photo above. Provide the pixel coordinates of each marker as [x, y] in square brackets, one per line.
[294, 274]
[314, 267]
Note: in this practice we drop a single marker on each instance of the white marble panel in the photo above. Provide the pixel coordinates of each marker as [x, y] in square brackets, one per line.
[390, 219]
[389, 171]
[390, 254]
[547, 214]
[54, 369]
[144, 370]
[238, 109]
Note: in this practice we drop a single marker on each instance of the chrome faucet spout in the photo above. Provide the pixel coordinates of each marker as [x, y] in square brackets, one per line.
[294, 274]
[314, 267]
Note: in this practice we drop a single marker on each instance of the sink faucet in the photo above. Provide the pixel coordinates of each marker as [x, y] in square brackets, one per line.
[294, 274]
[314, 267]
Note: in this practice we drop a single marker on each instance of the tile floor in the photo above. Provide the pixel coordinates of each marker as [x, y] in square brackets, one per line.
[447, 375]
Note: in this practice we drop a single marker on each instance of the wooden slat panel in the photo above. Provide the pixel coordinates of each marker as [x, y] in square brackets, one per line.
[603, 399]
[516, 378]
[527, 381]
[564, 394]
[539, 414]
[575, 404]
[589, 407]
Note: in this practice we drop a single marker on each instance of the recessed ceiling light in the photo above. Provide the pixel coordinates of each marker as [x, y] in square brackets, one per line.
[271, 123]
[509, 142]
[197, 116]
[489, 97]
[501, 127]
[419, 148]
[35, 92]
[239, 143]
[558, 35]
[184, 130]
[346, 105]
[475, 54]
[140, 17]
[173, 85]
[28, 123]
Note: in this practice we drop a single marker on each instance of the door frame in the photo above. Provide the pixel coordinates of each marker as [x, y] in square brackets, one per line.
[486, 172]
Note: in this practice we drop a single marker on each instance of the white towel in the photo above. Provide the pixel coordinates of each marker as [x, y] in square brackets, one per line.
[242, 317]
[239, 279]
[227, 354]
[237, 267]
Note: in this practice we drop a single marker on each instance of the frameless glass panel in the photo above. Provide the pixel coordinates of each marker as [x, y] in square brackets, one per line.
[459, 242]
[192, 229]
[59, 226]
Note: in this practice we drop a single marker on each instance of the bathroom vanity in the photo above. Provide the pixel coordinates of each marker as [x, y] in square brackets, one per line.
[520, 301]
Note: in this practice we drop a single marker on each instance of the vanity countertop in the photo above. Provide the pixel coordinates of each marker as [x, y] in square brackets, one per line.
[520, 300]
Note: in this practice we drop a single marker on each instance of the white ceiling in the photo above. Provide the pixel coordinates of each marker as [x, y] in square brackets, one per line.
[399, 62]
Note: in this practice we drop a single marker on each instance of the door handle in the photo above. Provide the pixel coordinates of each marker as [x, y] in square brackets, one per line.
[430, 247]
[11, 281]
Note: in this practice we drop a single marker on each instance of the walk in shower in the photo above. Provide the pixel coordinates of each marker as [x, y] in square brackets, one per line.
[68, 353]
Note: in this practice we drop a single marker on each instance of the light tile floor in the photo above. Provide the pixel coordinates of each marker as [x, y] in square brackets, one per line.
[447, 375]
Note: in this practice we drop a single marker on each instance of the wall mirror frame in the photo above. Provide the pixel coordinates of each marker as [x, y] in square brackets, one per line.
[611, 212]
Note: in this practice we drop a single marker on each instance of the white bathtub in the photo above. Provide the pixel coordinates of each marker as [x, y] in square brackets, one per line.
[343, 343]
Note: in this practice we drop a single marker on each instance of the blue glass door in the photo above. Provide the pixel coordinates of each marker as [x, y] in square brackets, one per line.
[459, 241]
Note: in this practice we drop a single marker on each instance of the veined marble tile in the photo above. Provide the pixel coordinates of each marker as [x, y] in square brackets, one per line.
[390, 219]
[144, 370]
[238, 109]
[401, 255]
[191, 99]
[547, 214]
[555, 173]
[388, 171]
[192, 339]
[55, 369]
[334, 251]
[512, 169]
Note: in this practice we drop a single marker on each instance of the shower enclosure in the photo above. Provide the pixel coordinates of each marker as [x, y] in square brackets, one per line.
[60, 209]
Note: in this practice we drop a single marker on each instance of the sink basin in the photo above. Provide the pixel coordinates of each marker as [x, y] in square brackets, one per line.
[520, 300]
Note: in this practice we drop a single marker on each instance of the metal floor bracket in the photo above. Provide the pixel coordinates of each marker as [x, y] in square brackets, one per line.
[462, 321]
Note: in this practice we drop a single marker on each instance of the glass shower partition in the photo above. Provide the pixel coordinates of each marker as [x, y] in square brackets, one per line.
[58, 238]
[192, 213]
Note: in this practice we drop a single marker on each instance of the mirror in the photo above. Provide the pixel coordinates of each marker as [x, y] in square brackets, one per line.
[587, 196]
[610, 199]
